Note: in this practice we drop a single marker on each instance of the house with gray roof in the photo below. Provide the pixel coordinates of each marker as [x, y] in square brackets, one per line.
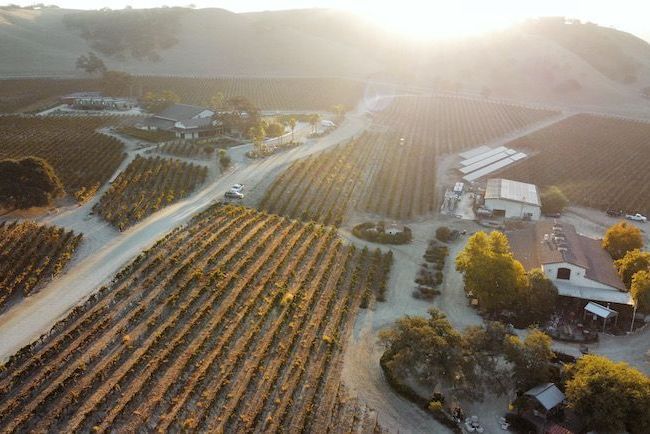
[185, 121]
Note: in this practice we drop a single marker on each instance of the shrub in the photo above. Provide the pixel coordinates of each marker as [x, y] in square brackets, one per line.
[443, 233]
[375, 232]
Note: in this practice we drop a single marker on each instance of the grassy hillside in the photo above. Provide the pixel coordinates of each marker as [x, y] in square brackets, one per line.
[209, 42]
[617, 55]
[548, 60]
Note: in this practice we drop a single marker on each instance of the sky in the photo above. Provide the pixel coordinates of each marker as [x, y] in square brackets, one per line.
[427, 19]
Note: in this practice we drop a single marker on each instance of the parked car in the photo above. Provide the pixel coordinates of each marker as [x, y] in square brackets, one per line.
[614, 213]
[637, 217]
[237, 187]
[233, 195]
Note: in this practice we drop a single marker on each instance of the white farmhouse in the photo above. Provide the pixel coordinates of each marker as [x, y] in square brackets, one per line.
[578, 265]
[512, 199]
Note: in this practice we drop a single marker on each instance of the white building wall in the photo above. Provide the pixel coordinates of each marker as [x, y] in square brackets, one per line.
[204, 114]
[578, 277]
[513, 209]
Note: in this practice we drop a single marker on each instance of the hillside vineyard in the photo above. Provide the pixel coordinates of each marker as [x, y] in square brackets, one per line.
[234, 323]
[265, 93]
[28, 94]
[391, 171]
[146, 186]
[30, 255]
[82, 158]
[597, 161]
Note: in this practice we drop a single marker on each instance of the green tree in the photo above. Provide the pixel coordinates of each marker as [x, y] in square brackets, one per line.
[490, 271]
[257, 135]
[536, 302]
[531, 359]
[217, 101]
[428, 349]
[28, 182]
[90, 63]
[622, 237]
[633, 261]
[640, 290]
[274, 129]
[609, 396]
[484, 348]
[553, 200]
[224, 159]
[158, 101]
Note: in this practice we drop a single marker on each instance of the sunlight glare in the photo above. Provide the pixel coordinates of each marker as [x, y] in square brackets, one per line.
[432, 19]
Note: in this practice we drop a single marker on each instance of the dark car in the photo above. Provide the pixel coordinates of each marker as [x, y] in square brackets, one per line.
[614, 213]
[233, 195]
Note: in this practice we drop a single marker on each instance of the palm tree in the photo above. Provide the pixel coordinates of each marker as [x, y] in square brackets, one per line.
[292, 124]
[338, 110]
[257, 133]
[314, 120]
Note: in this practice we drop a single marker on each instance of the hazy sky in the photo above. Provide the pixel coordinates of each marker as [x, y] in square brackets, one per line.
[427, 18]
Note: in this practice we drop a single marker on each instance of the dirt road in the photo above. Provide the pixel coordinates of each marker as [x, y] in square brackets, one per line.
[36, 314]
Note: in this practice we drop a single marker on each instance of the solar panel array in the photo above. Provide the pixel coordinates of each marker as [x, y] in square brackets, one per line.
[482, 161]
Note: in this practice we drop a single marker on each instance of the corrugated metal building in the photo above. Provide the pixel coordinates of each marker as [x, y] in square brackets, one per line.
[512, 199]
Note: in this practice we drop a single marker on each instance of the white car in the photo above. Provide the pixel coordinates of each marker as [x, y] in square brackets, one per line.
[237, 187]
[637, 217]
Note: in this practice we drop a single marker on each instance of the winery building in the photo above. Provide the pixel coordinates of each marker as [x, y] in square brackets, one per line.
[512, 199]
[578, 265]
[185, 121]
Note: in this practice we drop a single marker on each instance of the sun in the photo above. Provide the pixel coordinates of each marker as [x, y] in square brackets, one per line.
[425, 20]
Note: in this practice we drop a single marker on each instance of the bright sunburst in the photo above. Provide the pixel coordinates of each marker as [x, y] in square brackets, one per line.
[433, 20]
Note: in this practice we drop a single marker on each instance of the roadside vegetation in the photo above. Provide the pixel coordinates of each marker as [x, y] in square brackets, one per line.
[31, 255]
[146, 186]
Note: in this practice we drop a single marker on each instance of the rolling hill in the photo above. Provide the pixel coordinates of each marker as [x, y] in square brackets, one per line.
[549, 60]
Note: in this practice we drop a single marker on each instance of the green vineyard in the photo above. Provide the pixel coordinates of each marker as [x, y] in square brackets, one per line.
[235, 323]
[146, 186]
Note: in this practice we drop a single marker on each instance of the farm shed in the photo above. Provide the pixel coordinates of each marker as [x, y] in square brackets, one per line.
[512, 199]
[547, 395]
